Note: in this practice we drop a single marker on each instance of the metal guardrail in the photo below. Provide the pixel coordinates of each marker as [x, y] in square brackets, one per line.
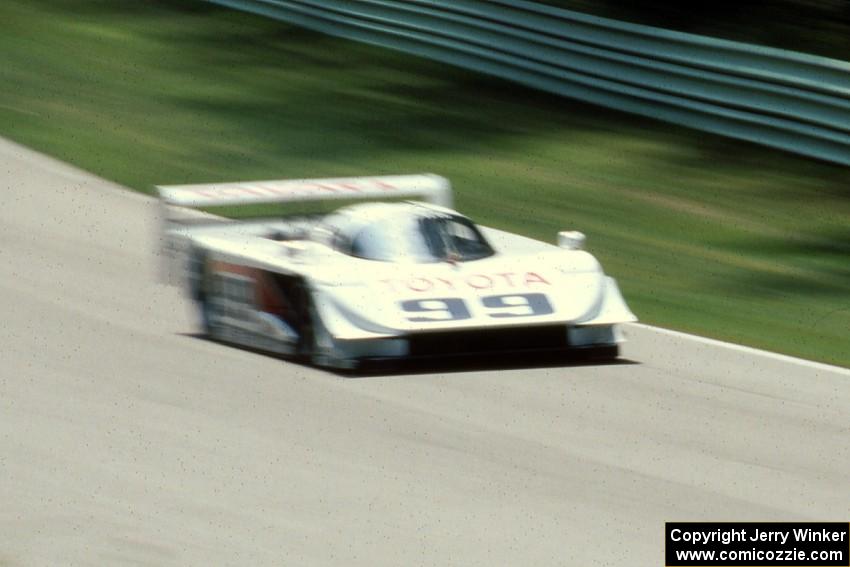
[792, 101]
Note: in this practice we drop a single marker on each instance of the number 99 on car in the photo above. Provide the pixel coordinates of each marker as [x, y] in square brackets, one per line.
[434, 310]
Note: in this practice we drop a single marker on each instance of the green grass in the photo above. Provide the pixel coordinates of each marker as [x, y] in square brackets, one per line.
[704, 234]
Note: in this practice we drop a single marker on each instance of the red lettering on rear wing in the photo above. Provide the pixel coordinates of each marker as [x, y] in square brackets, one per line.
[432, 188]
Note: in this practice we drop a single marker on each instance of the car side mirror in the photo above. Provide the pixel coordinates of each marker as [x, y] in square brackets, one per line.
[571, 240]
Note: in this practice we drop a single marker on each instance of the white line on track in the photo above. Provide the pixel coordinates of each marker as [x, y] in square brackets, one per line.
[745, 349]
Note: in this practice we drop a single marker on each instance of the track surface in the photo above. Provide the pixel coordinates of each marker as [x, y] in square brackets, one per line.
[125, 440]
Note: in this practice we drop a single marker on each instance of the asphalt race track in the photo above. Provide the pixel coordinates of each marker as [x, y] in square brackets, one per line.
[126, 440]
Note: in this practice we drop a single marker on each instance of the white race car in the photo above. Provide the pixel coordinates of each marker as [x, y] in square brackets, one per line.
[379, 280]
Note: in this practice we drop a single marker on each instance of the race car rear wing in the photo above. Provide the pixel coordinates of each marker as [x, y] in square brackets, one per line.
[182, 206]
[432, 188]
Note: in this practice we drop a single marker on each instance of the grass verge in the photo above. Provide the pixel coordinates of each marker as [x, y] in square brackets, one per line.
[704, 234]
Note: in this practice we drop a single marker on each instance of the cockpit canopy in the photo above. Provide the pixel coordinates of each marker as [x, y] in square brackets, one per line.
[403, 232]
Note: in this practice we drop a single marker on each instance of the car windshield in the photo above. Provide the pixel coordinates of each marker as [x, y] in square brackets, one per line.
[423, 239]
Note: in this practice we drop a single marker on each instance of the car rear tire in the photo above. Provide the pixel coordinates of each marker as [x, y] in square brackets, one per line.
[203, 297]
